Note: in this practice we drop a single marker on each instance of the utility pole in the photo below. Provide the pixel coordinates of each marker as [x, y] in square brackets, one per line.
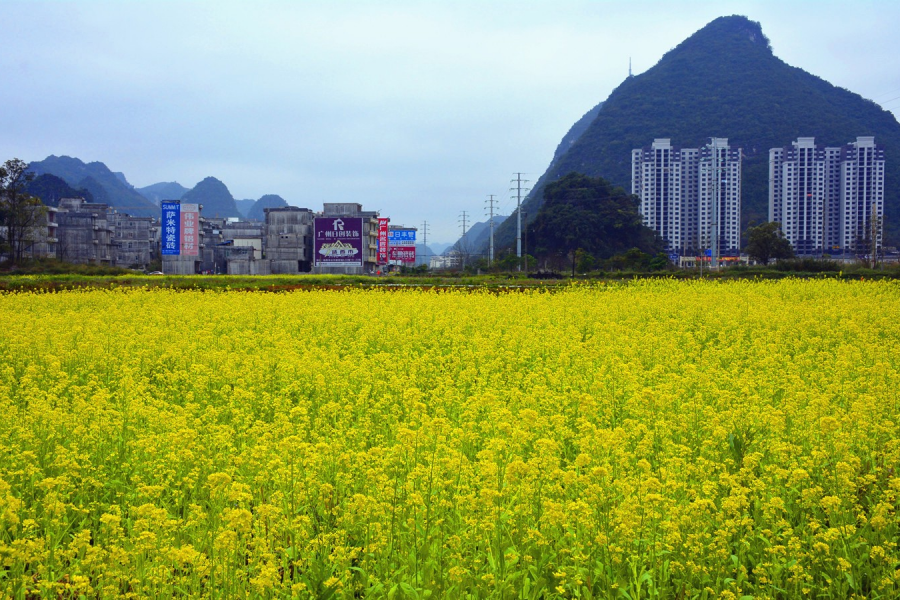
[714, 177]
[873, 225]
[425, 242]
[518, 188]
[490, 215]
[462, 240]
[525, 243]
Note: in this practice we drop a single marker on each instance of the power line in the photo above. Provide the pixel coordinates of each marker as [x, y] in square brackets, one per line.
[874, 99]
[886, 102]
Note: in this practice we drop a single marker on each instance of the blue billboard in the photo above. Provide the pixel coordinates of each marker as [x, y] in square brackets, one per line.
[402, 237]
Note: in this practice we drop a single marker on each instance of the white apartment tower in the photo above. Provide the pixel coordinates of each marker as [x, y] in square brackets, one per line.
[828, 200]
[657, 177]
[690, 196]
[719, 214]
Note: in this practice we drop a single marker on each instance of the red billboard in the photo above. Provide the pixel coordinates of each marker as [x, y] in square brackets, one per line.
[190, 229]
[383, 241]
[404, 254]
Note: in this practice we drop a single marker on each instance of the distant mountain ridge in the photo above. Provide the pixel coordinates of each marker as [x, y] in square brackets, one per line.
[104, 185]
[258, 211]
[722, 81]
[477, 237]
[156, 193]
[245, 205]
[51, 189]
[217, 201]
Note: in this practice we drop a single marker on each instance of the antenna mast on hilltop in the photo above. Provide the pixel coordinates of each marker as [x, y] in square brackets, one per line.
[629, 68]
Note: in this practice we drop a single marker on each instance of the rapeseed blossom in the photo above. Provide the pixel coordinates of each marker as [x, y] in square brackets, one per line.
[658, 438]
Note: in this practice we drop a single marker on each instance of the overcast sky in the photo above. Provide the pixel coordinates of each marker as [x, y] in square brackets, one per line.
[417, 109]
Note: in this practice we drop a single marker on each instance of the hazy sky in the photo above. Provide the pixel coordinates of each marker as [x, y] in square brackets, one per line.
[417, 109]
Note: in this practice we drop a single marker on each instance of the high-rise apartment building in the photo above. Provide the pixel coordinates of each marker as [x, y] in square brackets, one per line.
[690, 196]
[657, 178]
[719, 191]
[828, 200]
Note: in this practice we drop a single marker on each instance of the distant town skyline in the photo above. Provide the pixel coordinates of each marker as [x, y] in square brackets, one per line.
[415, 109]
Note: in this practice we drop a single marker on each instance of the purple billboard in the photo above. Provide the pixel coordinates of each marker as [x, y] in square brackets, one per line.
[338, 242]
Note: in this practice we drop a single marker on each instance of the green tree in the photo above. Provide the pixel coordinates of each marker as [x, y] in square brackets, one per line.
[510, 262]
[766, 241]
[584, 261]
[590, 214]
[20, 213]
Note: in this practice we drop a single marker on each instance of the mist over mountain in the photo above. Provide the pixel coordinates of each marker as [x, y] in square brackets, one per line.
[257, 211]
[104, 185]
[478, 236]
[438, 248]
[723, 81]
[159, 192]
[576, 131]
[245, 205]
[217, 201]
[97, 191]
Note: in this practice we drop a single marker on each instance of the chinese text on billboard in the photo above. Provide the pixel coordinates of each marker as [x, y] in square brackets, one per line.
[404, 254]
[338, 242]
[402, 237]
[180, 229]
[383, 241]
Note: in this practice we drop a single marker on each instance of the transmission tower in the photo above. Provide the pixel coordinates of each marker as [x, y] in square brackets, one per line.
[519, 187]
[461, 246]
[425, 242]
[490, 216]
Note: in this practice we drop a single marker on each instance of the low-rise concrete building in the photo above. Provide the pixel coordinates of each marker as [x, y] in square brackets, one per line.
[36, 235]
[288, 239]
[84, 234]
[134, 236]
[246, 234]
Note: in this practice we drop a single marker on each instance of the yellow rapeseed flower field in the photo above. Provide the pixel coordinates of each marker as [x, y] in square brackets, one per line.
[652, 439]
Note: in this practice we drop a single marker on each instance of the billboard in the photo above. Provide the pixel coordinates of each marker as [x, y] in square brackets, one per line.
[180, 229]
[338, 242]
[383, 241]
[404, 254]
[402, 237]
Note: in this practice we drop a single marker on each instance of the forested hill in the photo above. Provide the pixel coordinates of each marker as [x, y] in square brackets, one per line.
[217, 201]
[158, 192]
[724, 81]
[258, 211]
[104, 185]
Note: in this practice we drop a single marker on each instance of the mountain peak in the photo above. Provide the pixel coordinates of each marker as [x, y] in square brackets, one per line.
[217, 201]
[740, 26]
[104, 185]
[736, 36]
[723, 81]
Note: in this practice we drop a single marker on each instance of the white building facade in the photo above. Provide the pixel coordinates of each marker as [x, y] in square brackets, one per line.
[828, 200]
[690, 196]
